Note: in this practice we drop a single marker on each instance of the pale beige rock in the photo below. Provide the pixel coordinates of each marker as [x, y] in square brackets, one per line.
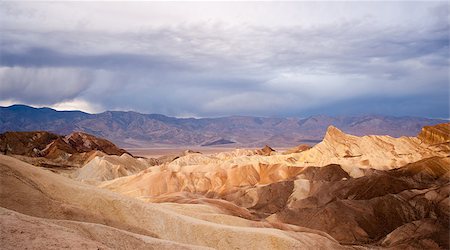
[136, 216]
[377, 152]
[204, 179]
[19, 231]
[108, 167]
[301, 190]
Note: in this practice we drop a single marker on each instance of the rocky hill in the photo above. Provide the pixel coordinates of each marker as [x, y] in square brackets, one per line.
[435, 134]
[131, 129]
[46, 149]
[42, 143]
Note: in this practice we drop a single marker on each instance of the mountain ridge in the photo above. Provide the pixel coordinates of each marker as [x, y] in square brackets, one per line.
[133, 129]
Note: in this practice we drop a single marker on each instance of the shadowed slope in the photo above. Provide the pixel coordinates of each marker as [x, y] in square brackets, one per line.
[366, 209]
[25, 143]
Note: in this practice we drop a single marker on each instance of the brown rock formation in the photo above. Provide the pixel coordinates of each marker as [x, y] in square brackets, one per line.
[41, 143]
[331, 172]
[436, 134]
[25, 143]
[83, 142]
[56, 152]
[420, 234]
[366, 209]
[266, 150]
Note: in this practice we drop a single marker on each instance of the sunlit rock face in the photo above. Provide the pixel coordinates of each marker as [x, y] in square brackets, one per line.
[435, 134]
[108, 167]
[367, 152]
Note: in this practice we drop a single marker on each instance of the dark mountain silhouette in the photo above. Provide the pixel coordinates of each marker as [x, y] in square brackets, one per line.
[136, 129]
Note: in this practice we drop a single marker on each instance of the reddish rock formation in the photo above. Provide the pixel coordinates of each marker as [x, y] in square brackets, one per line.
[57, 153]
[266, 150]
[25, 143]
[41, 143]
[83, 142]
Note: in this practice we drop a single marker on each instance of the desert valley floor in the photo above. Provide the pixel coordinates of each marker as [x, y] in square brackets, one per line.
[346, 192]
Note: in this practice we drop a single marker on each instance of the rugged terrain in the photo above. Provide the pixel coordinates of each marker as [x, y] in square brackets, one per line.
[131, 129]
[347, 191]
[49, 150]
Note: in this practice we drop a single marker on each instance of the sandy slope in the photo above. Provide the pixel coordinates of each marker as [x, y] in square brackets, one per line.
[35, 192]
[109, 167]
[19, 231]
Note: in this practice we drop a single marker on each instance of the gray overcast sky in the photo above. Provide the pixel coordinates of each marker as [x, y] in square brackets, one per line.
[239, 58]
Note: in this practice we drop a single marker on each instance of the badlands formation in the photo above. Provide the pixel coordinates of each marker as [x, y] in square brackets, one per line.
[346, 192]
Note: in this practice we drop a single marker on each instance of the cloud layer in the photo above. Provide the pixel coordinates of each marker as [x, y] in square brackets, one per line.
[212, 59]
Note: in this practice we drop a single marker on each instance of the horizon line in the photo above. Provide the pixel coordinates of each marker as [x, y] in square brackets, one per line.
[227, 116]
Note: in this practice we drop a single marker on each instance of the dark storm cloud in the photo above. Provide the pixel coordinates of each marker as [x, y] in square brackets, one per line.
[44, 57]
[43, 86]
[209, 69]
[417, 105]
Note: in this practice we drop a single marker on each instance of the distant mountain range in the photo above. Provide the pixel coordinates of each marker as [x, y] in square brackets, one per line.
[132, 129]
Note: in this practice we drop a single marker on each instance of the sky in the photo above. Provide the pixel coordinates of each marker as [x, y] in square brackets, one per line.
[210, 59]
